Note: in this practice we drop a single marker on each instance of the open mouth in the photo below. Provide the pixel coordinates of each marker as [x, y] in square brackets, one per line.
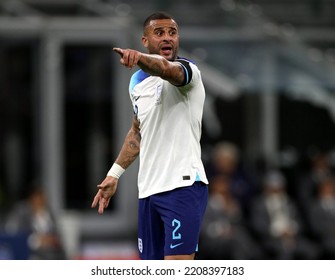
[166, 50]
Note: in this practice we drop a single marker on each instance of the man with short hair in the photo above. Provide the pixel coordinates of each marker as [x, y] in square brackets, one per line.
[168, 95]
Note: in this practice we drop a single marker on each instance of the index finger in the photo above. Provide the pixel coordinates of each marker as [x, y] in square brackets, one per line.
[118, 50]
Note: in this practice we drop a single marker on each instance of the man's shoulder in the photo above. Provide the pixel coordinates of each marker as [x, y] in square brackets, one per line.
[138, 77]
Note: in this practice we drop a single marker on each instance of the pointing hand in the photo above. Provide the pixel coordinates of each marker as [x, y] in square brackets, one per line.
[129, 57]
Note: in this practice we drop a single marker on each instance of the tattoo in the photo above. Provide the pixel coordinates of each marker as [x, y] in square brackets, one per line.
[180, 77]
[158, 66]
[131, 146]
[152, 65]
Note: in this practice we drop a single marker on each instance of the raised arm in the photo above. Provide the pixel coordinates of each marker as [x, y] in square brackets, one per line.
[128, 153]
[153, 64]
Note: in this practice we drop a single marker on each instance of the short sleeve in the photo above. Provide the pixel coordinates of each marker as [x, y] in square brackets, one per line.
[187, 71]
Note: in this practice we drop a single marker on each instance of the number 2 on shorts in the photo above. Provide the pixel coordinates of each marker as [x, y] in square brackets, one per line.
[176, 224]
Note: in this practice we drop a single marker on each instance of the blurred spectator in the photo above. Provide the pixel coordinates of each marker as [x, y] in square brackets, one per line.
[32, 216]
[224, 235]
[277, 224]
[322, 217]
[226, 161]
[309, 181]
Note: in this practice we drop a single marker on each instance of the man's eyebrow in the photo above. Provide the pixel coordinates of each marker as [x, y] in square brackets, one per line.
[163, 27]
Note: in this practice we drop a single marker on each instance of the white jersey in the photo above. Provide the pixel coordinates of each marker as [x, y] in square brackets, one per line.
[170, 125]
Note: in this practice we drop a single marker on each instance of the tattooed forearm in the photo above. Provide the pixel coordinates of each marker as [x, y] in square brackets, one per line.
[152, 64]
[129, 151]
[131, 146]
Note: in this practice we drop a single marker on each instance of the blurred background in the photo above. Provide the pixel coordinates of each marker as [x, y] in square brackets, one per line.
[268, 129]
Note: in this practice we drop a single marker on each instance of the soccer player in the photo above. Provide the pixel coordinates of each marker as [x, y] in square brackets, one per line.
[168, 95]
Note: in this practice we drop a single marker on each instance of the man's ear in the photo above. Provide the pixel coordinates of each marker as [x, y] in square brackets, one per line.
[145, 41]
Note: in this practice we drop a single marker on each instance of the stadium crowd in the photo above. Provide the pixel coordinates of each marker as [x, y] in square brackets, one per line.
[269, 214]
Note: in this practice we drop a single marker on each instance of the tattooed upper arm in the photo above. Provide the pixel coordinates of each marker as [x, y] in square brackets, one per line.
[174, 73]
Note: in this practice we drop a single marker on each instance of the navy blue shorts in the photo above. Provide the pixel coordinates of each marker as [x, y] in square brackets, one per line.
[169, 222]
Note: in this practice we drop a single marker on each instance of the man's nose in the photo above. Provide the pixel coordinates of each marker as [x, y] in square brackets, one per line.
[167, 36]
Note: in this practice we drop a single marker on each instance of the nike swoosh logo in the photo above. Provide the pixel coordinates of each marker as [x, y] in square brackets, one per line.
[175, 245]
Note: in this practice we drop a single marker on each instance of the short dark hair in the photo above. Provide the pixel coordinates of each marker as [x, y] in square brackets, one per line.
[155, 16]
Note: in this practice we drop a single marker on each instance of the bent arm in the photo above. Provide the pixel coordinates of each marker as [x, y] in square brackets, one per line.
[131, 146]
[157, 65]
[153, 64]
